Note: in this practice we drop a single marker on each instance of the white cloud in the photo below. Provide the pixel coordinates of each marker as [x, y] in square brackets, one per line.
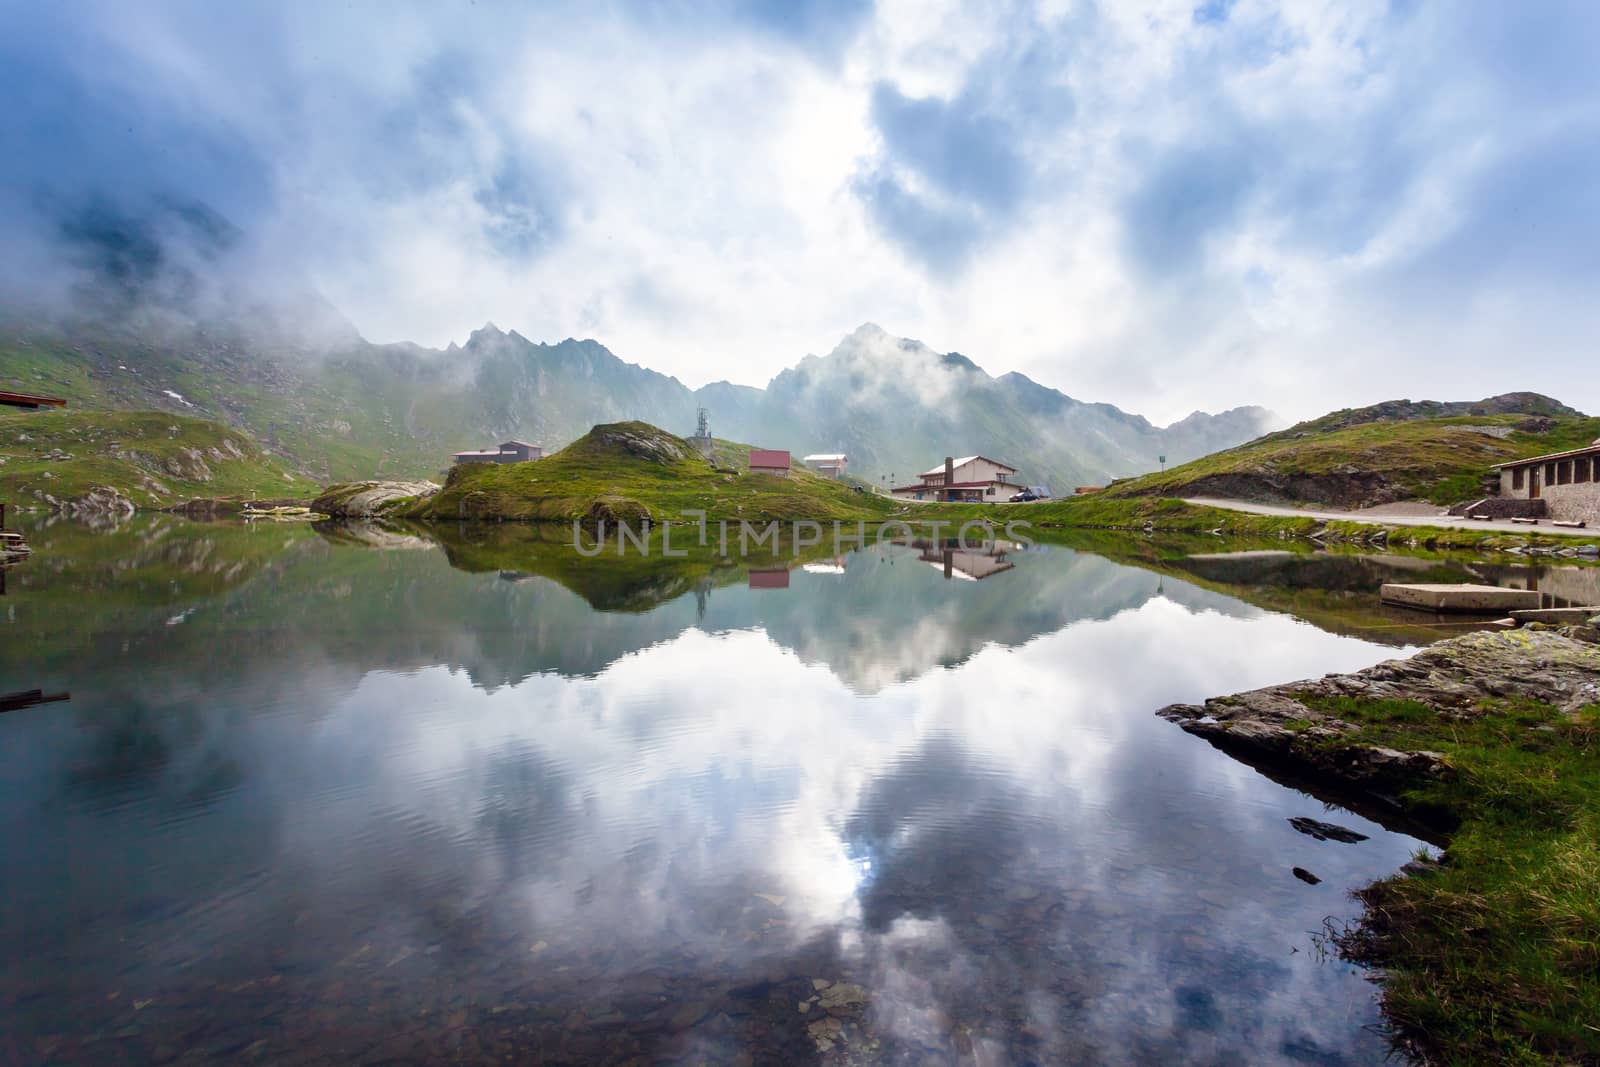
[1203, 212]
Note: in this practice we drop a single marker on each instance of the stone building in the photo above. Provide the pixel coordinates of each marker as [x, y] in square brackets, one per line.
[1567, 482]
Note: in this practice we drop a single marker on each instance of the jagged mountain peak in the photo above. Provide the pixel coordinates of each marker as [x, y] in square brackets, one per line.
[871, 344]
[867, 331]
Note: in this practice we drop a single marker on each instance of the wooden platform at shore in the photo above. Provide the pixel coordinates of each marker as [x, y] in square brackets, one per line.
[1462, 599]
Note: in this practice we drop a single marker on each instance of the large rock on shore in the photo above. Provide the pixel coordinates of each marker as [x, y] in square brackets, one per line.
[366, 500]
[1282, 726]
[102, 501]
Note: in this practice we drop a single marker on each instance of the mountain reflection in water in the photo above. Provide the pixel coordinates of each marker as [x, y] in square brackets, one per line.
[351, 798]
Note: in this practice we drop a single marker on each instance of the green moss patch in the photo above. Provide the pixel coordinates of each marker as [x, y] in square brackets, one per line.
[1494, 957]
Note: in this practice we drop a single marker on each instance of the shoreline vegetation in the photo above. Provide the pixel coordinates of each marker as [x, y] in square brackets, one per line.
[1490, 744]
[637, 474]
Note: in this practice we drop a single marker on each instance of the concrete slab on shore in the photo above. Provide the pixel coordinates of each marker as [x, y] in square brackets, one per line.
[1557, 616]
[1466, 599]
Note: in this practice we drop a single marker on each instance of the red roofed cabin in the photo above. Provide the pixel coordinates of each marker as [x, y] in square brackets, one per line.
[974, 479]
[769, 461]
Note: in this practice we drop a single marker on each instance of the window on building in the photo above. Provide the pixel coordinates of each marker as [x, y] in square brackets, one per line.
[990, 491]
[1581, 468]
[1564, 472]
[1550, 473]
[1518, 479]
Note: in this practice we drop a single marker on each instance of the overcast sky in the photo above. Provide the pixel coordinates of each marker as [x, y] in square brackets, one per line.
[1165, 205]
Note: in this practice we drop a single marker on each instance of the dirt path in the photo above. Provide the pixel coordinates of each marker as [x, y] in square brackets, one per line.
[1381, 517]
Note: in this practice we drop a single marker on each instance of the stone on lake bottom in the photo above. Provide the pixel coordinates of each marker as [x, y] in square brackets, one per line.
[1325, 831]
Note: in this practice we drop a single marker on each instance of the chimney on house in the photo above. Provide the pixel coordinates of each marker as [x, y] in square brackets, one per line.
[949, 477]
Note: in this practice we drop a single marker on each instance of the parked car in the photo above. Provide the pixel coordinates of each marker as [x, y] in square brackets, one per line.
[1024, 497]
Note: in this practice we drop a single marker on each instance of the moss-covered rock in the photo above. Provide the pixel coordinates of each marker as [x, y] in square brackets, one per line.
[365, 500]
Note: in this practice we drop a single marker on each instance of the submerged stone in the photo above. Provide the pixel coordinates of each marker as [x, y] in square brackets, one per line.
[1326, 831]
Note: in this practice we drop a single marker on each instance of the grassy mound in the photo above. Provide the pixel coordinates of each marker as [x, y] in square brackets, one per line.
[1342, 463]
[634, 472]
[152, 458]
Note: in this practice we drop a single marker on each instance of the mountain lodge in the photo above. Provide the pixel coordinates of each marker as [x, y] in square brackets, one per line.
[1564, 486]
[973, 479]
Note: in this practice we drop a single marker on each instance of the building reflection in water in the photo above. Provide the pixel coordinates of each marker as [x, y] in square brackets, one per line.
[775, 578]
[969, 561]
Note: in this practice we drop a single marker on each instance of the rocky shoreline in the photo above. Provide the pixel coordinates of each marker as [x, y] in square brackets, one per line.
[1487, 745]
[1294, 728]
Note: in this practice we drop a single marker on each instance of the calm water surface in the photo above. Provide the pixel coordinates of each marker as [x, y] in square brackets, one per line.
[330, 798]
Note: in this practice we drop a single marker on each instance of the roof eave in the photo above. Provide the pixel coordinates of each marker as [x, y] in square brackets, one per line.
[1531, 460]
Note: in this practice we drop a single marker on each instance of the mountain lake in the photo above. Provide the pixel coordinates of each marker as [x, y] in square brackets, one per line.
[350, 795]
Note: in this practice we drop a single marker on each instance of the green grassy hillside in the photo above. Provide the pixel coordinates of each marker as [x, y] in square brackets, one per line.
[152, 458]
[633, 471]
[1331, 461]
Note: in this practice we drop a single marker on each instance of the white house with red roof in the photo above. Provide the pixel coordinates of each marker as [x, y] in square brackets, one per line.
[974, 479]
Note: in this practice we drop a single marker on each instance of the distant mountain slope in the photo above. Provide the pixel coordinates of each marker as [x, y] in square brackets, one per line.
[365, 410]
[359, 410]
[1398, 450]
[165, 313]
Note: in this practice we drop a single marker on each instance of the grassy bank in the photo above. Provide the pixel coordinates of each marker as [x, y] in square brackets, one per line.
[154, 459]
[1169, 515]
[1494, 957]
[1443, 460]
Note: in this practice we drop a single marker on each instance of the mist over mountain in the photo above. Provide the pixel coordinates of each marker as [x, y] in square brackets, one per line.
[897, 406]
[162, 308]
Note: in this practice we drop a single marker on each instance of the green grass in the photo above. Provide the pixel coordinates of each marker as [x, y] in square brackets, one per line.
[1495, 956]
[1171, 515]
[597, 477]
[155, 459]
[1442, 460]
